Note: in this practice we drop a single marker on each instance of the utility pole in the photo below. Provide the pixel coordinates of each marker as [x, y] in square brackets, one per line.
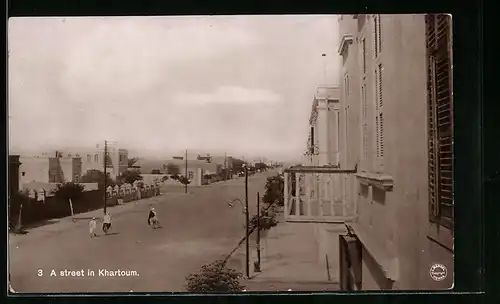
[247, 220]
[105, 172]
[186, 173]
[225, 166]
[258, 232]
[324, 67]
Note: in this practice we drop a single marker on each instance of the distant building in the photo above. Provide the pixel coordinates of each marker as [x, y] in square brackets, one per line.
[196, 169]
[71, 164]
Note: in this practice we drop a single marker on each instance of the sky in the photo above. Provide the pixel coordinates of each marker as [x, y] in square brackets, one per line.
[243, 85]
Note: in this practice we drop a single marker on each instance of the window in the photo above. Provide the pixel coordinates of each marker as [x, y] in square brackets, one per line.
[364, 126]
[23, 173]
[363, 47]
[440, 119]
[346, 87]
[96, 158]
[346, 130]
[337, 119]
[312, 150]
[190, 174]
[379, 113]
[377, 41]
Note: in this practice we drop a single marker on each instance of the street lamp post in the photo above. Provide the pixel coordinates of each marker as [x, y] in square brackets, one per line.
[247, 224]
[257, 268]
[247, 220]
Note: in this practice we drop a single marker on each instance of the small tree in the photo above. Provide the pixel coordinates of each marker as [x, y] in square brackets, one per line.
[69, 190]
[260, 166]
[266, 221]
[96, 176]
[275, 187]
[184, 180]
[130, 176]
[16, 200]
[132, 161]
[173, 169]
[215, 277]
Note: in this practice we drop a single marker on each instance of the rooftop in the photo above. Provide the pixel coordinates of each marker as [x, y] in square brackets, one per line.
[327, 93]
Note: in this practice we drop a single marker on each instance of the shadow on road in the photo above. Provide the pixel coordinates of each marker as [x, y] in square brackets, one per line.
[112, 233]
[42, 223]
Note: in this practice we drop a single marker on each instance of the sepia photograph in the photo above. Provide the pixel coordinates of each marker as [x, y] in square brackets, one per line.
[230, 153]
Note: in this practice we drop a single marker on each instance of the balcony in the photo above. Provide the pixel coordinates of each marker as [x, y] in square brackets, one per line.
[318, 194]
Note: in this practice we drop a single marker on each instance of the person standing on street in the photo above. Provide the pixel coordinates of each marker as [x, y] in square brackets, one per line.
[106, 223]
[92, 227]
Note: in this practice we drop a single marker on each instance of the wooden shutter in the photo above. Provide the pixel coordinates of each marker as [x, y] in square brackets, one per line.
[376, 35]
[363, 122]
[440, 124]
[380, 113]
[379, 34]
[377, 121]
[363, 46]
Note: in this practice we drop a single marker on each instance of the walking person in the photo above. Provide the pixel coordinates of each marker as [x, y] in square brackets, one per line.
[152, 219]
[106, 225]
[92, 227]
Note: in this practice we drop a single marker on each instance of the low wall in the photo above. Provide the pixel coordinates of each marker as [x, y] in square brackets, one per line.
[34, 211]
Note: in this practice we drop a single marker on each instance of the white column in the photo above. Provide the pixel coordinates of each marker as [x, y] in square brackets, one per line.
[297, 193]
[322, 133]
[332, 196]
[285, 194]
[308, 181]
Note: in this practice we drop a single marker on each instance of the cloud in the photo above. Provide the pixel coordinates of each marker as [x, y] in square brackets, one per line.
[228, 95]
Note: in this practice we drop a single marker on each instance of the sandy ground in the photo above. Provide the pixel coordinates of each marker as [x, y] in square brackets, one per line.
[198, 228]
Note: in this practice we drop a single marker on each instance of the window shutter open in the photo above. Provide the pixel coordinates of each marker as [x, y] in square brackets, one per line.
[381, 112]
[440, 124]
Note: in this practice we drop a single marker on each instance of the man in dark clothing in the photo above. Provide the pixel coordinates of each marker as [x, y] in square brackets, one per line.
[152, 217]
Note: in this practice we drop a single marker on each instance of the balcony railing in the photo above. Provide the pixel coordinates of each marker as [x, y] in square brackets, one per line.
[318, 194]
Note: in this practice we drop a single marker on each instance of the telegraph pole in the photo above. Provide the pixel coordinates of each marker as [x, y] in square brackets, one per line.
[186, 173]
[247, 220]
[258, 231]
[105, 172]
[225, 166]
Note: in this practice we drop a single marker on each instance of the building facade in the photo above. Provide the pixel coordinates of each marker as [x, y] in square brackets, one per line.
[70, 165]
[393, 187]
[323, 142]
[398, 130]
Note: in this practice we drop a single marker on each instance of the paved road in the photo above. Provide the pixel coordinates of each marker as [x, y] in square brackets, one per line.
[198, 228]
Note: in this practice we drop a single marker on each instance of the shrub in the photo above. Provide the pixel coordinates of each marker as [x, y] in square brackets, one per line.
[69, 190]
[266, 221]
[275, 186]
[184, 180]
[15, 202]
[215, 277]
[97, 176]
[130, 176]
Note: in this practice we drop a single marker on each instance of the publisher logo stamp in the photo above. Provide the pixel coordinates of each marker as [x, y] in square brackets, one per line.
[438, 272]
